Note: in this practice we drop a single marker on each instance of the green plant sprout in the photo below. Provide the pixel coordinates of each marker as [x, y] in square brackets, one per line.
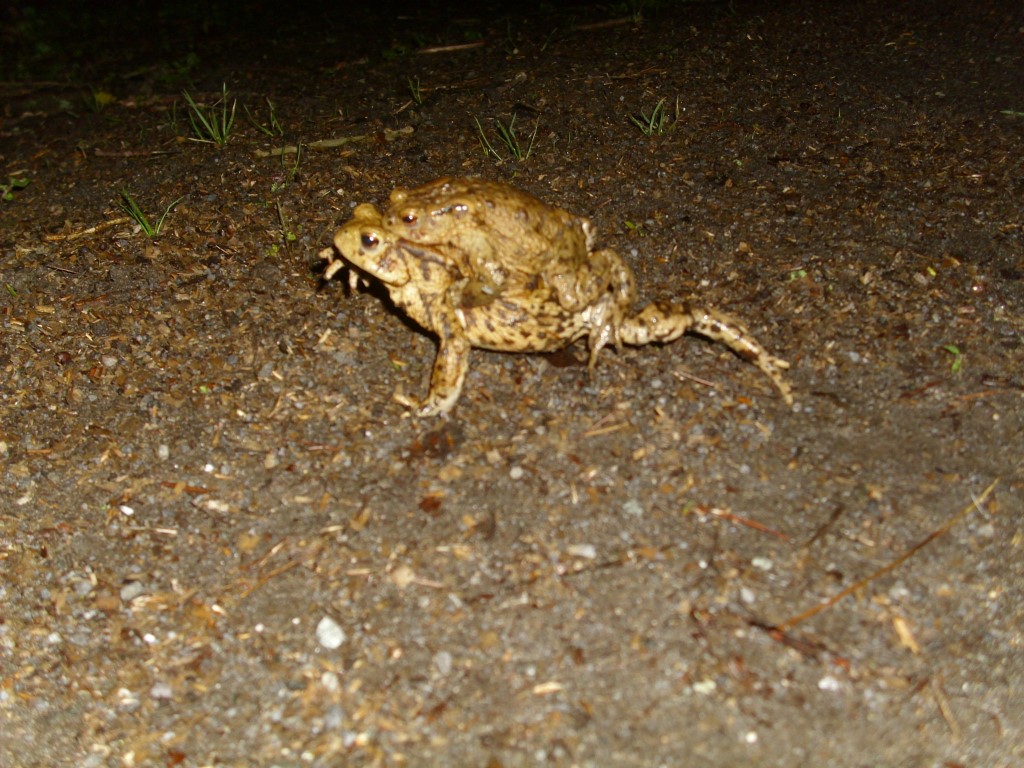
[98, 100]
[279, 184]
[129, 206]
[287, 235]
[507, 136]
[271, 129]
[14, 182]
[415, 91]
[396, 51]
[958, 357]
[294, 170]
[653, 124]
[213, 124]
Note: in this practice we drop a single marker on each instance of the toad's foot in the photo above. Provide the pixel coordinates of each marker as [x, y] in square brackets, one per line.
[663, 321]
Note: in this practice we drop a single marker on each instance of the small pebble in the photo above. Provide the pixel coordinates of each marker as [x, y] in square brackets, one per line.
[829, 683]
[443, 662]
[126, 700]
[587, 551]
[329, 633]
[330, 681]
[704, 686]
[161, 692]
[131, 590]
[334, 717]
[633, 508]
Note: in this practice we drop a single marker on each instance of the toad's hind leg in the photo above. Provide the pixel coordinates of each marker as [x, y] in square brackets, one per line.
[664, 322]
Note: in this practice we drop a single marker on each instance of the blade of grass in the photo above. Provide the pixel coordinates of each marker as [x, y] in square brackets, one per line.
[129, 206]
[167, 210]
[488, 149]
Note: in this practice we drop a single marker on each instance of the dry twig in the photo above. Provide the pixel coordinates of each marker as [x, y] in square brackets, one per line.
[64, 236]
[291, 149]
[802, 617]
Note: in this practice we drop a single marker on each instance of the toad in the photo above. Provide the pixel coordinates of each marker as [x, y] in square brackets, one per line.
[483, 264]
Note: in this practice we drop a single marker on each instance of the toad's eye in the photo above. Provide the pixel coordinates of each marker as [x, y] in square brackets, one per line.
[369, 241]
[410, 218]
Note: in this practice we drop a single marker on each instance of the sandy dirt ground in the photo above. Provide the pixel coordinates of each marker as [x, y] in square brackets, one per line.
[223, 542]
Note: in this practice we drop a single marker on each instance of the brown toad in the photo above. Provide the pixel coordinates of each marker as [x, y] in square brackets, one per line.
[508, 239]
[482, 264]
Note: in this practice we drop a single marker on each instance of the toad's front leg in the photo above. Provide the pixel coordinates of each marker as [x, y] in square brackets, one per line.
[663, 321]
[448, 374]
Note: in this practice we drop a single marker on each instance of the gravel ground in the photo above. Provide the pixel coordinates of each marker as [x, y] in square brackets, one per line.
[222, 541]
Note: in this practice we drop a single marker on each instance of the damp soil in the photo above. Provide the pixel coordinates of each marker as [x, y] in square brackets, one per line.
[223, 542]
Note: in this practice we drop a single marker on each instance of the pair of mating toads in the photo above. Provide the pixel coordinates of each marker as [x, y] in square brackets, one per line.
[482, 264]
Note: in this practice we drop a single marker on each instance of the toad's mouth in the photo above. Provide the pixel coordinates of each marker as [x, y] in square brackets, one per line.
[420, 252]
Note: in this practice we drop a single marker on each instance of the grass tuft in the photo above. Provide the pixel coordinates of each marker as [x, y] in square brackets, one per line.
[415, 91]
[212, 124]
[129, 206]
[272, 128]
[653, 124]
[508, 138]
